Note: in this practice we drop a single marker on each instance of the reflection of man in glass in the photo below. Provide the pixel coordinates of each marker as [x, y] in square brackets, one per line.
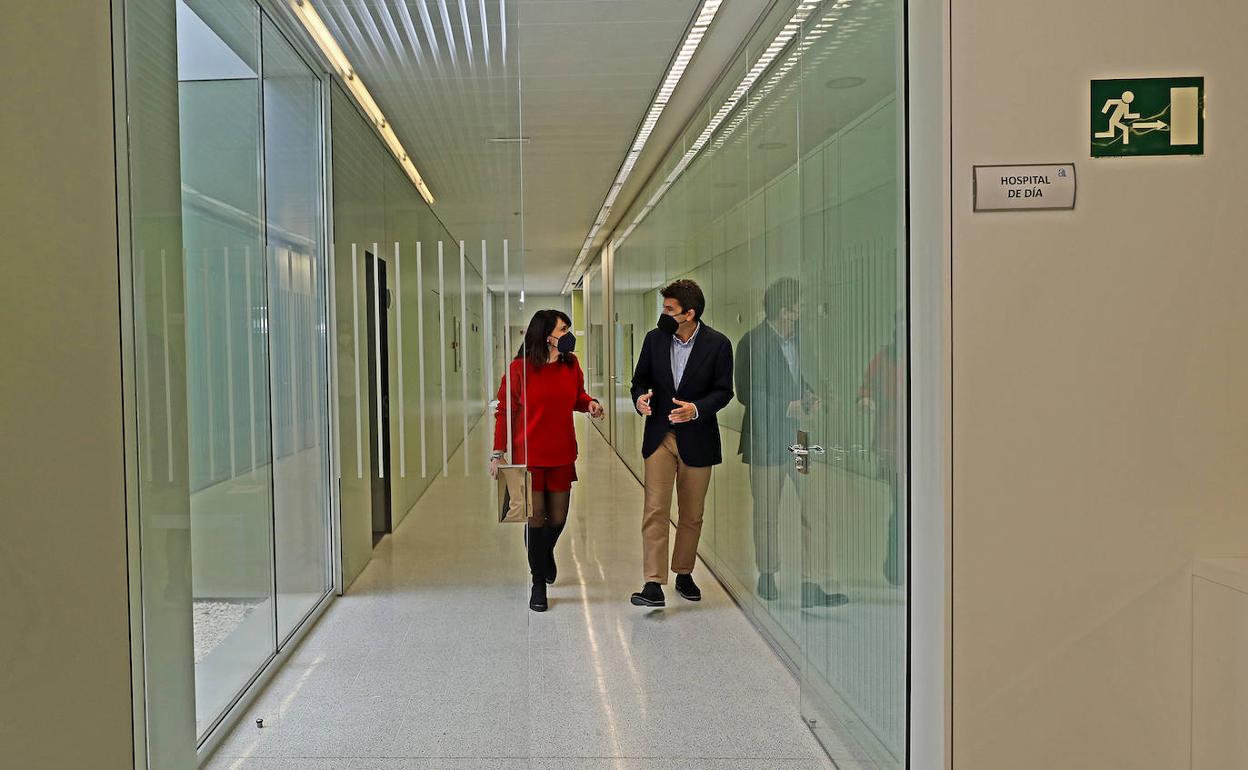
[878, 394]
[776, 398]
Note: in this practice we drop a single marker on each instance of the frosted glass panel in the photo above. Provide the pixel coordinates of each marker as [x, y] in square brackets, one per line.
[790, 218]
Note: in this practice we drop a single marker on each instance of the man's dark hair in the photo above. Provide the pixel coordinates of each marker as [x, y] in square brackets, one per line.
[688, 294]
[781, 294]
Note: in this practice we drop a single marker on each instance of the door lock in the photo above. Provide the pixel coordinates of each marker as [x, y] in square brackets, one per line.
[801, 452]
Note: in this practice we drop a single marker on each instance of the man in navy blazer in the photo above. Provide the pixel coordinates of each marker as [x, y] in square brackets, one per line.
[683, 378]
[777, 399]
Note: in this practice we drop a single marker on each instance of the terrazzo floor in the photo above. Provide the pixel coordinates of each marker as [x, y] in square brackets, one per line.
[433, 661]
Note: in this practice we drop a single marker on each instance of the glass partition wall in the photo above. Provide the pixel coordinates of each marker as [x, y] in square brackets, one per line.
[244, 516]
[783, 199]
[253, 232]
[241, 284]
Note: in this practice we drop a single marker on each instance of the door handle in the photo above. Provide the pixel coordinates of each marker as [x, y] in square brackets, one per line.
[801, 453]
[804, 451]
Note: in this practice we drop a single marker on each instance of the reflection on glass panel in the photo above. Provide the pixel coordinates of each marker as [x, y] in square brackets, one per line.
[853, 281]
[790, 219]
[160, 378]
[296, 267]
[227, 324]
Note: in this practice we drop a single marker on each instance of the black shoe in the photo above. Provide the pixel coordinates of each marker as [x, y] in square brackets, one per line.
[537, 599]
[687, 588]
[814, 596]
[651, 595]
[767, 587]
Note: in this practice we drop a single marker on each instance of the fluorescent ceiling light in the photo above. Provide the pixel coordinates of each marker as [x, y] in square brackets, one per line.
[333, 52]
[782, 40]
[688, 47]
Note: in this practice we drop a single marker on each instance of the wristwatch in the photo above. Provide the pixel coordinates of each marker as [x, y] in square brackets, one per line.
[497, 454]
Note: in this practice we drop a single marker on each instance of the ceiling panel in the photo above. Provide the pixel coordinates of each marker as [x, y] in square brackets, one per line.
[449, 76]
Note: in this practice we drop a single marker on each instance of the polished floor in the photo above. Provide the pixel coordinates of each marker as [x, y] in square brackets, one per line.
[433, 660]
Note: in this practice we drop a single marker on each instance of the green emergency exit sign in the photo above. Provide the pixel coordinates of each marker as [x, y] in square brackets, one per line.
[1148, 116]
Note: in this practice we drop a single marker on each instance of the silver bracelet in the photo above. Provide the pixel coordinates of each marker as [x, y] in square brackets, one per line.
[497, 455]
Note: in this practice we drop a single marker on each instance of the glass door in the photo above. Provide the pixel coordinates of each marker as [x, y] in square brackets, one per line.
[253, 218]
[852, 274]
[228, 356]
[298, 366]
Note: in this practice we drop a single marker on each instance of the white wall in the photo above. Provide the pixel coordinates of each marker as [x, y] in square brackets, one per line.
[1098, 383]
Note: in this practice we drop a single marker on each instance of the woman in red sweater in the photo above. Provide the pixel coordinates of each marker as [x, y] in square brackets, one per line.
[544, 386]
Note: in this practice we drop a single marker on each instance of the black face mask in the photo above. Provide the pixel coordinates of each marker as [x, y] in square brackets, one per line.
[667, 324]
[566, 343]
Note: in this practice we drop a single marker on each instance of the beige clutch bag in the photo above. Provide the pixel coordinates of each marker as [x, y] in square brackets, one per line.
[513, 494]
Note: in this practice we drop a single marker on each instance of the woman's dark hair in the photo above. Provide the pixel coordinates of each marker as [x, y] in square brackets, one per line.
[688, 294]
[541, 326]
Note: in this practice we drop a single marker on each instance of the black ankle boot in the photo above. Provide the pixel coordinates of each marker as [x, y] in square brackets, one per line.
[537, 596]
[536, 540]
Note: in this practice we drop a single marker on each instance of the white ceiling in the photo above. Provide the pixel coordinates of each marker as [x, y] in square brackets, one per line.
[573, 76]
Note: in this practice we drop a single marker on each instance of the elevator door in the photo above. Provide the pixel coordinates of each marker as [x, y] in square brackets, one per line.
[379, 384]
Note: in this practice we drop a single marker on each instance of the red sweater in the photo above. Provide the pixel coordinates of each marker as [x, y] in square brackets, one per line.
[542, 402]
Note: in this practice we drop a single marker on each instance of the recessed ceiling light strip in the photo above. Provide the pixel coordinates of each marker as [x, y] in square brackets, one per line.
[782, 40]
[312, 22]
[688, 47]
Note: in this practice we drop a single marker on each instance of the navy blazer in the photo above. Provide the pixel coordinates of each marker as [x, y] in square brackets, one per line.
[766, 386]
[707, 383]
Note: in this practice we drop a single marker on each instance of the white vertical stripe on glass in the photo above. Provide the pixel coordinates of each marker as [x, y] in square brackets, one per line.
[164, 338]
[442, 353]
[209, 365]
[506, 345]
[398, 303]
[289, 325]
[463, 350]
[229, 362]
[330, 319]
[146, 354]
[420, 338]
[378, 300]
[355, 338]
[487, 371]
[251, 356]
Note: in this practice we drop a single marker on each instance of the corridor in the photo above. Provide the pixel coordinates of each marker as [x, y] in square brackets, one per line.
[433, 660]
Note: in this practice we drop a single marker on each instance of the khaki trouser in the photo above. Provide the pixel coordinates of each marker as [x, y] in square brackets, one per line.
[767, 488]
[665, 469]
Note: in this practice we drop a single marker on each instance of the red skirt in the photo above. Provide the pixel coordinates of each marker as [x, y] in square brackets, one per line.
[557, 479]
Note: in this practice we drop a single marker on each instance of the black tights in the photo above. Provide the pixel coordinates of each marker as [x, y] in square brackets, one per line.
[550, 509]
[549, 515]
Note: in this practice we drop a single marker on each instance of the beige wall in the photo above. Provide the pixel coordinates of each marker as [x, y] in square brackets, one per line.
[64, 637]
[1098, 384]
